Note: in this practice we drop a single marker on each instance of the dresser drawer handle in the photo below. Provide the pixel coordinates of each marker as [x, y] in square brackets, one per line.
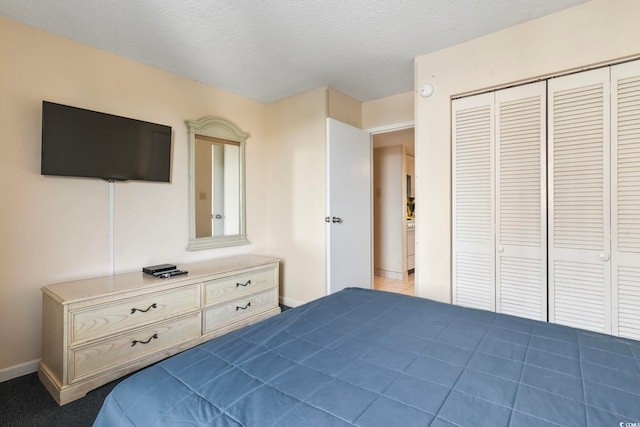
[243, 308]
[243, 284]
[154, 337]
[133, 310]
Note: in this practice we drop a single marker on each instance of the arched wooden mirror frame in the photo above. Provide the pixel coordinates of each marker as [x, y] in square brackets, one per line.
[218, 128]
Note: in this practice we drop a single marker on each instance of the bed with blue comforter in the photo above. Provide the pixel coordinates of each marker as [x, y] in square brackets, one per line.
[371, 358]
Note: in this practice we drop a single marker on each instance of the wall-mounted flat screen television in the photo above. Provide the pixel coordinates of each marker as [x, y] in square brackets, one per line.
[85, 143]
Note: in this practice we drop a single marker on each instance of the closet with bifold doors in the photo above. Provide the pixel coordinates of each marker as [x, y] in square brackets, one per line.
[499, 201]
[546, 200]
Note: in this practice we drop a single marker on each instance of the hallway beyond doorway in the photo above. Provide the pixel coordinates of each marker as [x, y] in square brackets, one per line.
[393, 285]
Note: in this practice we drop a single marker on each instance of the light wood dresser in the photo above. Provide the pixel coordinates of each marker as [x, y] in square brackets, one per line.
[97, 330]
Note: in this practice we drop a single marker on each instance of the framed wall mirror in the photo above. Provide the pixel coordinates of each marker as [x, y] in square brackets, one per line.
[216, 183]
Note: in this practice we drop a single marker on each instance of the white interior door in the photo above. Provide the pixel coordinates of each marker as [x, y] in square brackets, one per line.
[499, 201]
[625, 195]
[349, 247]
[473, 202]
[521, 201]
[579, 201]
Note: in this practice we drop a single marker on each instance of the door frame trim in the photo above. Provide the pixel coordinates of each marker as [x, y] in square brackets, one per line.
[391, 127]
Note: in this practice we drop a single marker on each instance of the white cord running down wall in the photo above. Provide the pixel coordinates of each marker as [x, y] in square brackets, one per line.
[112, 220]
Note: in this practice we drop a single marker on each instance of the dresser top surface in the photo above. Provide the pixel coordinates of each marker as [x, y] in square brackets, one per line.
[106, 285]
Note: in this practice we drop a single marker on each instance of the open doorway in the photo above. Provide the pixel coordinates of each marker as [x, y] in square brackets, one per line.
[393, 210]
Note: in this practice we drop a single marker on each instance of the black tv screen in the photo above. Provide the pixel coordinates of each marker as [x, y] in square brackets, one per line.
[85, 143]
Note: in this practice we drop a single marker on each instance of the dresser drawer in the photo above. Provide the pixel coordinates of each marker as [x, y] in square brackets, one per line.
[112, 318]
[233, 311]
[238, 285]
[128, 347]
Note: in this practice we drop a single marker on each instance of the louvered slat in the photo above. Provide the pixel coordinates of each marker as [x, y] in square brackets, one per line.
[520, 287]
[628, 279]
[625, 192]
[580, 295]
[579, 201]
[473, 211]
[519, 166]
[578, 118]
[521, 270]
[474, 280]
[473, 173]
[627, 145]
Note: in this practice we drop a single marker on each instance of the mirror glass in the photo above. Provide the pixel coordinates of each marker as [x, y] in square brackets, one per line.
[216, 183]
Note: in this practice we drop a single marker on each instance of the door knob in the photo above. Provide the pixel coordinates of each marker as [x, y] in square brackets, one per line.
[604, 257]
[335, 219]
[327, 219]
[500, 249]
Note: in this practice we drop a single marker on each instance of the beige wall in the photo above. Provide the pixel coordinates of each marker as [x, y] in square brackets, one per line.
[389, 205]
[592, 33]
[386, 111]
[404, 137]
[343, 108]
[296, 203]
[297, 179]
[54, 229]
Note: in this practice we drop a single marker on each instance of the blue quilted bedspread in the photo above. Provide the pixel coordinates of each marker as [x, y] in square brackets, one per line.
[371, 358]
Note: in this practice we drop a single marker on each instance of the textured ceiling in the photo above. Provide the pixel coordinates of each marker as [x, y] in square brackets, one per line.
[271, 49]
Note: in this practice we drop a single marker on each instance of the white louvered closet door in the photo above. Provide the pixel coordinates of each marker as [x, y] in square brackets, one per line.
[473, 202]
[579, 200]
[521, 201]
[625, 195]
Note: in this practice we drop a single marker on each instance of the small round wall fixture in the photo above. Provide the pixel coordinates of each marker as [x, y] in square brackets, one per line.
[427, 90]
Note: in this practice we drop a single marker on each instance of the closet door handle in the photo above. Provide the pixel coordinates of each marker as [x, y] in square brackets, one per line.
[500, 249]
[604, 257]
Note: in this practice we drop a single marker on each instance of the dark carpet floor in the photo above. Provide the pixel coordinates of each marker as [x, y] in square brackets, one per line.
[25, 402]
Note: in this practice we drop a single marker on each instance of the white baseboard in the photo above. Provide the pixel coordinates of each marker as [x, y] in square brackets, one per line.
[16, 371]
[290, 302]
